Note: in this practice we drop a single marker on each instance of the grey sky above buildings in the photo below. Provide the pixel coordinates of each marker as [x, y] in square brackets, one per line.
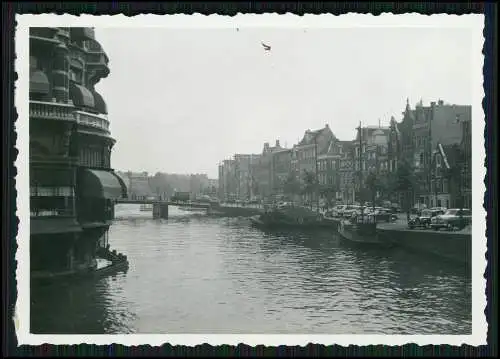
[181, 100]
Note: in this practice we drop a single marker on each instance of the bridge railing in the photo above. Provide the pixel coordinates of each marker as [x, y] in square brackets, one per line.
[242, 205]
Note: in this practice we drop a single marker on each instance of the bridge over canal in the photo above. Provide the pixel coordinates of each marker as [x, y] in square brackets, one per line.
[160, 207]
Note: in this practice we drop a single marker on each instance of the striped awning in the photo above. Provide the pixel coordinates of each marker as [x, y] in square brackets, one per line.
[102, 184]
[81, 96]
[39, 83]
[100, 104]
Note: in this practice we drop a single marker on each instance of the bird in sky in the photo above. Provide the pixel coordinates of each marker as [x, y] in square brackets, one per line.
[266, 47]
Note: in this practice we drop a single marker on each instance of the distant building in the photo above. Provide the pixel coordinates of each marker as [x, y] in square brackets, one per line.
[220, 181]
[370, 156]
[417, 136]
[198, 183]
[281, 163]
[228, 181]
[346, 173]
[305, 154]
[262, 172]
[329, 169]
[138, 185]
[313, 144]
[451, 177]
[213, 186]
[243, 175]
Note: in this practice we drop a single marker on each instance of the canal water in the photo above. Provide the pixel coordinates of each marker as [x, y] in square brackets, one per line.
[198, 274]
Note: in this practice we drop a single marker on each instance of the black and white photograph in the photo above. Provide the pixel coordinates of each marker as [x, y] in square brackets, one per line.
[222, 179]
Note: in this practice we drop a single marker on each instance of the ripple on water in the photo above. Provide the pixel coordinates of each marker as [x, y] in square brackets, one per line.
[195, 274]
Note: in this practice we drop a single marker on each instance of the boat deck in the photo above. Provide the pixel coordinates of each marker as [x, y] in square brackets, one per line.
[402, 225]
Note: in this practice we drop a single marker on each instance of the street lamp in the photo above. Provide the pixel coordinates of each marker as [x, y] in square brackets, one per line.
[461, 160]
[316, 172]
[435, 153]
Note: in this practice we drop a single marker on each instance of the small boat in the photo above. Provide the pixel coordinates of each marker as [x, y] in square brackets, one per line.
[359, 231]
[118, 264]
[331, 221]
[116, 261]
[108, 262]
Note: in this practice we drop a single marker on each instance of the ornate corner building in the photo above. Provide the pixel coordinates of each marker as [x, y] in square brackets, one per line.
[72, 184]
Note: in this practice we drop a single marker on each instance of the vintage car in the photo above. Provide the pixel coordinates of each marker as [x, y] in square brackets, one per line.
[338, 210]
[424, 220]
[452, 219]
[352, 210]
[380, 214]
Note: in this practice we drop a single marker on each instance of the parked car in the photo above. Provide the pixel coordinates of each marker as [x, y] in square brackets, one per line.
[181, 197]
[425, 217]
[338, 211]
[384, 215]
[352, 210]
[453, 218]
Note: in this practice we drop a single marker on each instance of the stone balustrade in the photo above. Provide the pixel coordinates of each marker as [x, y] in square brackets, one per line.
[93, 120]
[51, 111]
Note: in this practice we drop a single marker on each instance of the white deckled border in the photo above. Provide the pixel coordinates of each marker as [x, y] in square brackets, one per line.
[474, 21]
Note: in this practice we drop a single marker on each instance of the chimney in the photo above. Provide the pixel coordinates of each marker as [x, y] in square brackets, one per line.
[326, 126]
[433, 103]
[277, 143]
[440, 102]
[266, 145]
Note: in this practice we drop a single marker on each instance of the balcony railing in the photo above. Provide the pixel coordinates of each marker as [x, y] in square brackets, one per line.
[93, 120]
[56, 212]
[96, 58]
[51, 111]
[44, 33]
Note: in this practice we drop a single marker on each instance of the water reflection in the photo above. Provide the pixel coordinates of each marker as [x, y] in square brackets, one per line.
[83, 307]
[198, 274]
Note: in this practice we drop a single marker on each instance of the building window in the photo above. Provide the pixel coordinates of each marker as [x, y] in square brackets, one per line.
[445, 186]
[51, 201]
[76, 75]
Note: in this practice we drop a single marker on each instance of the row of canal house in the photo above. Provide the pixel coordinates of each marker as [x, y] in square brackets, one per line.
[434, 140]
[72, 184]
[319, 152]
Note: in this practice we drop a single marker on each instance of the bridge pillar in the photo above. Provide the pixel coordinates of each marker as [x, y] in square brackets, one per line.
[160, 210]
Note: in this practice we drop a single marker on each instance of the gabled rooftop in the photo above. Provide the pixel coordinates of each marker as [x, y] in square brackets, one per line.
[311, 136]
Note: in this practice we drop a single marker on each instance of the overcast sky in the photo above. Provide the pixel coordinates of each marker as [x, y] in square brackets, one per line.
[181, 100]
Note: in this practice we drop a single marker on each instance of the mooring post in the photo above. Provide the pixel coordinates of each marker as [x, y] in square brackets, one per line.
[156, 210]
[164, 210]
[160, 210]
